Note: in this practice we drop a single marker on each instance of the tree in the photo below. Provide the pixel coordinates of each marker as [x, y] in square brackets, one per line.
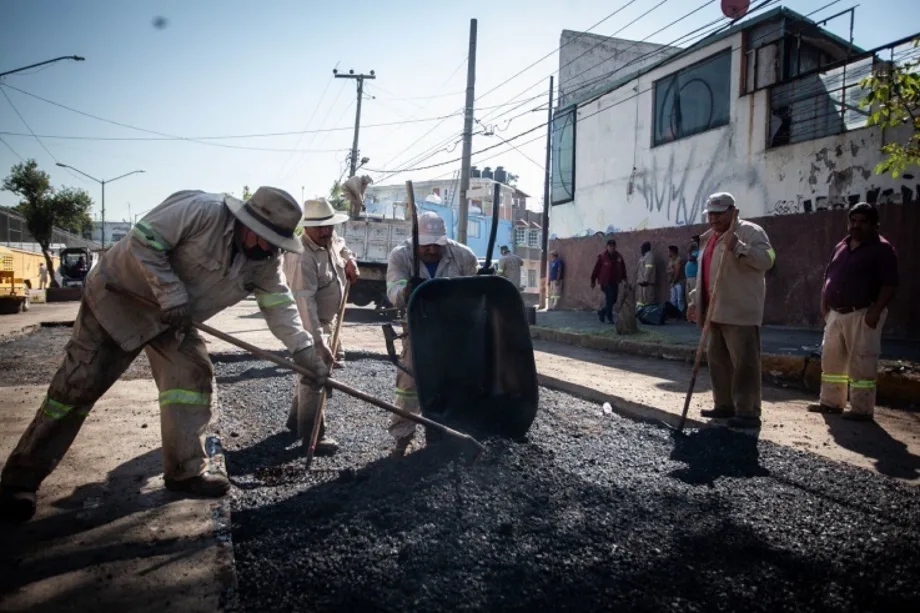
[894, 100]
[246, 193]
[45, 208]
[337, 197]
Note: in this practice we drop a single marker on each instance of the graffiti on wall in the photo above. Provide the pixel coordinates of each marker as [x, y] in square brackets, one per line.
[675, 194]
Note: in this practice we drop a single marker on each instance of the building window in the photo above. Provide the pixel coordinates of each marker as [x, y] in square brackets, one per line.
[563, 176]
[520, 236]
[533, 239]
[693, 100]
[531, 278]
[472, 229]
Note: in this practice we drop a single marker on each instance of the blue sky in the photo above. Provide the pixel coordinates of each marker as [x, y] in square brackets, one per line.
[233, 67]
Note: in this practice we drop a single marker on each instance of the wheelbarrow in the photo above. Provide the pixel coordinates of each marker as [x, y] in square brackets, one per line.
[472, 354]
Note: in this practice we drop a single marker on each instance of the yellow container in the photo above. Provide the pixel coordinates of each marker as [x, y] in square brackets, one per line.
[25, 266]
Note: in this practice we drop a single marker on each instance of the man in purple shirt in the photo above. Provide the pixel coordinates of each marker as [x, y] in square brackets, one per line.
[859, 282]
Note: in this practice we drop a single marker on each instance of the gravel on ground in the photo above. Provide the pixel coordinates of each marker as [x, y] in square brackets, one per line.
[592, 512]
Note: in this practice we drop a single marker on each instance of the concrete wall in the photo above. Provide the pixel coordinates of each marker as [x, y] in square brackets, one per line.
[589, 61]
[803, 246]
[623, 183]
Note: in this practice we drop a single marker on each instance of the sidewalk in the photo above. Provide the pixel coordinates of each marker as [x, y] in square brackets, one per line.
[789, 356]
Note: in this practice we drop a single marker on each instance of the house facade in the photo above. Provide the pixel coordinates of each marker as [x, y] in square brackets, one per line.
[767, 110]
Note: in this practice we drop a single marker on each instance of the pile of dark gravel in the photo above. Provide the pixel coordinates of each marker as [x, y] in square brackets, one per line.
[593, 512]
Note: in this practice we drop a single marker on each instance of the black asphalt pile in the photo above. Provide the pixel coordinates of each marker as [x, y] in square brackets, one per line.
[592, 512]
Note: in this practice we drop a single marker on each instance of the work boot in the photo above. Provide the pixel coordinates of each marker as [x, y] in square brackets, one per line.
[743, 421]
[16, 505]
[718, 413]
[326, 446]
[401, 448]
[854, 416]
[823, 408]
[209, 484]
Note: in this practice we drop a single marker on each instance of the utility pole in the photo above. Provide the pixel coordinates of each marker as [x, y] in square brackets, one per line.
[360, 79]
[101, 182]
[546, 195]
[75, 58]
[464, 212]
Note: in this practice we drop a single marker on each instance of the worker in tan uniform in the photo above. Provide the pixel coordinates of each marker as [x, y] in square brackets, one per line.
[354, 189]
[737, 310]
[317, 277]
[439, 257]
[859, 283]
[194, 255]
[509, 266]
[645, 277]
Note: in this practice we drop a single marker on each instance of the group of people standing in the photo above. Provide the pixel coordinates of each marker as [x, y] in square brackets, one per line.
[859, 282]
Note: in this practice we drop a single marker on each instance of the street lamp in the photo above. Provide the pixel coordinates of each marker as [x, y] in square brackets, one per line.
[102, 183]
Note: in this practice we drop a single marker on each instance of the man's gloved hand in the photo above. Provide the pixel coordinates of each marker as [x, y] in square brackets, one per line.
[309, 359]
[178, 316]
[411, 286]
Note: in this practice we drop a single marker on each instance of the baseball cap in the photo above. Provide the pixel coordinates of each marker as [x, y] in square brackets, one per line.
[431, 229]
[719, 202]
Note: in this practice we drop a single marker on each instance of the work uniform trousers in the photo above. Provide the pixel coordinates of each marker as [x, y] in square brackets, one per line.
[645, 295]
[93, 362]
[555, 292]
[307, 401]
[406, 397]
[849, 357]
[734, 368]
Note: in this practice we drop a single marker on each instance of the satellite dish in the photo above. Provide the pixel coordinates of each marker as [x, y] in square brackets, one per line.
[735, 9]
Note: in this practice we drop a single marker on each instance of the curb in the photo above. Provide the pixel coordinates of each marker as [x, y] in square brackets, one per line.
[626, 408]
[801, 371]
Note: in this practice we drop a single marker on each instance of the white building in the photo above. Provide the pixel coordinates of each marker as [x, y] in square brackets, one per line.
[114, 231]
[767, 110]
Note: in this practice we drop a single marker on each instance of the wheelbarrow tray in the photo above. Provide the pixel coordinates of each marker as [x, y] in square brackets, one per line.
[472, 356]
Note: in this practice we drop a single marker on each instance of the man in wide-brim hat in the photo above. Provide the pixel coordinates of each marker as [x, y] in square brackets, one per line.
[194, 255]
[317, 276]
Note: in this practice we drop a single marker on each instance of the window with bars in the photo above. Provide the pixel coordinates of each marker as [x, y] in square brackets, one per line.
[520, 236]
[533, 239]
[531, 278]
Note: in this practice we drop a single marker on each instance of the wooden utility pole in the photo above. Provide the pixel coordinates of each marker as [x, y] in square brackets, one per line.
[464, 212]
[546, 195]
[354, 145]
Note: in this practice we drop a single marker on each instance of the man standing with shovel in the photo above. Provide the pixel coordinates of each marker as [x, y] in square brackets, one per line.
[193, 255]
[317, 277]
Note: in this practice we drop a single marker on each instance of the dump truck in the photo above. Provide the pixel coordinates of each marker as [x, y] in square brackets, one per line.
[372, 239]
[20, 278]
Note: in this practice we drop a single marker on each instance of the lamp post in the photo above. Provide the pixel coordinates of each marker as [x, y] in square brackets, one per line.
[102, 183]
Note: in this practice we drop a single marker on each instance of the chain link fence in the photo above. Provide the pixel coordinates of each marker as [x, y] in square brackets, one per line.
[14, 233]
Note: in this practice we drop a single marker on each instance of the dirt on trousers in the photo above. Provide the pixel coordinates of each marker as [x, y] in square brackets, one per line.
[593, 512]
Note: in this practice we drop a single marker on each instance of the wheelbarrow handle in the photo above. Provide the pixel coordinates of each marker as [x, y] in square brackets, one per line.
[330, 382]
[390, 336]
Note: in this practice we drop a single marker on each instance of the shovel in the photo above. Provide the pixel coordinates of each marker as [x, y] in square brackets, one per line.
[330, 382]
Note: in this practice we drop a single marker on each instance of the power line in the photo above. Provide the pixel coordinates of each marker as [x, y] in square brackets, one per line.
[309, 122]
[10, 147]
[546, 124]
[26, 124]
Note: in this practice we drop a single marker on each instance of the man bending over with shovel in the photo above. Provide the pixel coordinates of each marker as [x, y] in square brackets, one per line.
[441, 257]
[195, 255]
[317, 277]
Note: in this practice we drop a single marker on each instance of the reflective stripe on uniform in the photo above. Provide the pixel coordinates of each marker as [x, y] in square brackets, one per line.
[54, 409]
[406, 393]
[650, 266]
[150, 236]
[181, 396]
[268, 300]
[862, 384]
[400, 283]
[772, 253]
[828, 377]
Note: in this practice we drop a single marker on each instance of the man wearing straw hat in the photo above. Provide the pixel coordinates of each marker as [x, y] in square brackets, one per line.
[737, 309]
[317, 278]
[195, 254]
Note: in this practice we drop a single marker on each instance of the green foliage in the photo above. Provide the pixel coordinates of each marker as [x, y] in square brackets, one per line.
[246, 193]
[337, 198]
[894, 100]
[44, 207]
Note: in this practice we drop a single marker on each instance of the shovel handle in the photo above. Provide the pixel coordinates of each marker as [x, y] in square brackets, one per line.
[330, 382]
